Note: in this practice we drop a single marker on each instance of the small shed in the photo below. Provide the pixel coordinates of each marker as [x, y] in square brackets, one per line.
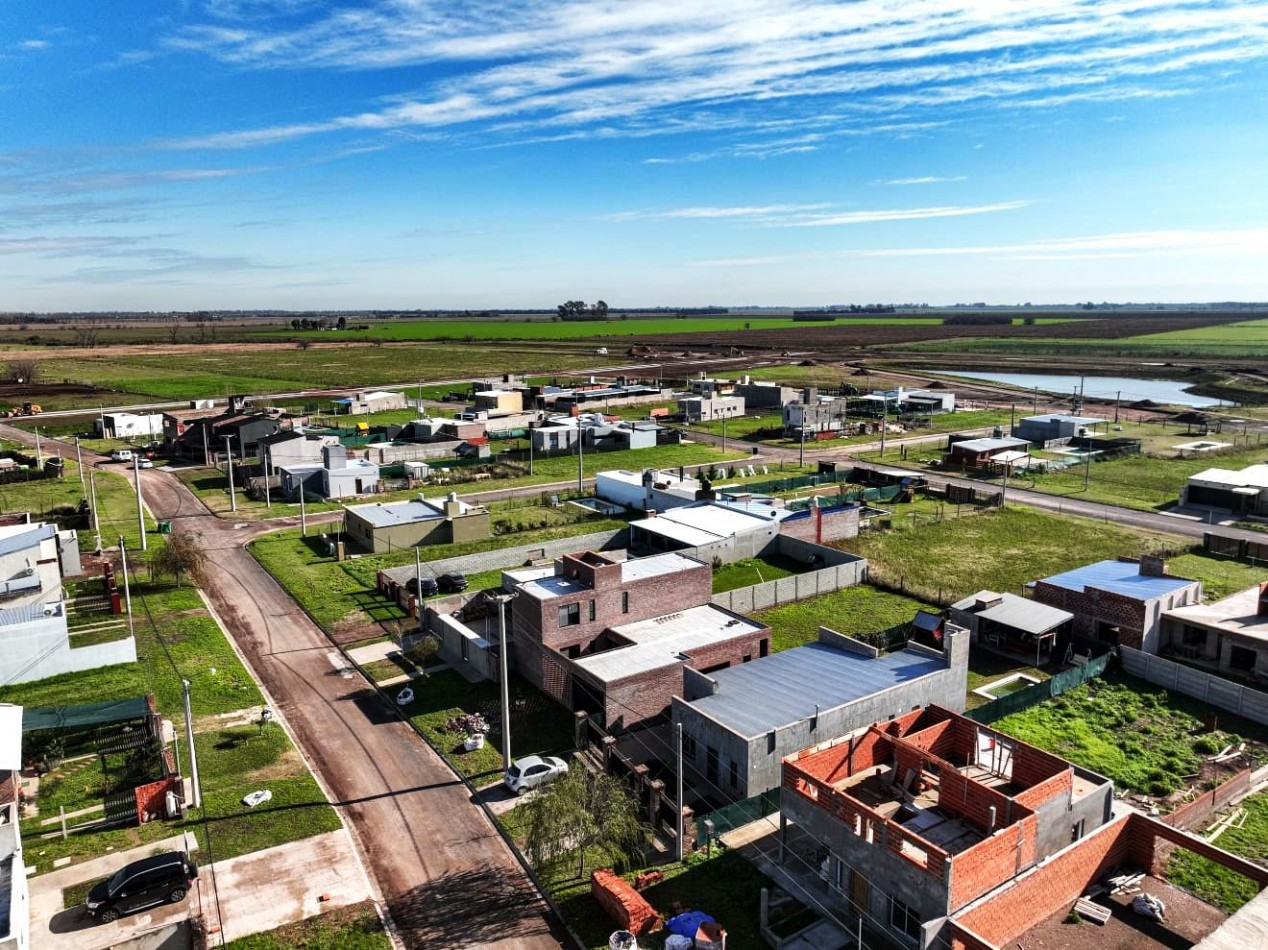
[1014, 625]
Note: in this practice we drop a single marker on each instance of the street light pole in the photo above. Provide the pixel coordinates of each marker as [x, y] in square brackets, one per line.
[39, 455]
[233, 495]
[140, 505]
[268, 497]
[580, 455]
[79, 458]
[502, 600]
[127, 586]
[96, 520]
[678, 730]
[194, 785]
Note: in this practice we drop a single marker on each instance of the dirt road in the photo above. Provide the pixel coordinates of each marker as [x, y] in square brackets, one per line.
[448, 878]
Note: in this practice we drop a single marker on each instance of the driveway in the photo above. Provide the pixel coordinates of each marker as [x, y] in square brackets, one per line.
[246, 895]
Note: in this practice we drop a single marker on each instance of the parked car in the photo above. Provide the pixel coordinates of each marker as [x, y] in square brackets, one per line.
[422, 586]
[160, 879]
[121, 455]
[145, 463]
[533, 771]
[452, 583]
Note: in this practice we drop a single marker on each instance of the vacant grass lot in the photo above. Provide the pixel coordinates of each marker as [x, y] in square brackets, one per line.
[356, 927]
[1143, 737]
[116, 502]
[999, 550]
[1219, 576]
[539, 726]
[1217, 885]
[854, 610]
[177, 638]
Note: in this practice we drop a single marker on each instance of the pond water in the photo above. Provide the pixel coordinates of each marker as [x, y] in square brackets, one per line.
[1165, 391]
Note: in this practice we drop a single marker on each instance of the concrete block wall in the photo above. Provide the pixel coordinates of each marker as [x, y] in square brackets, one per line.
[516, 556]
[1215, 690]
[42, 648]
[746, 600]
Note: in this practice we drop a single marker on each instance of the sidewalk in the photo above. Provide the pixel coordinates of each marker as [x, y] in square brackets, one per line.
[255, 892]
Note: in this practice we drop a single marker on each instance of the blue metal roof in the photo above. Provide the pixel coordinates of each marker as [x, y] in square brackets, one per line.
[783, 688]
[1119, 577]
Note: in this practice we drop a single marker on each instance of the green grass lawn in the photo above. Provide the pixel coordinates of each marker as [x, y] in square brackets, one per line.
[1218, 885]
[1144, 738]
[1219, 576]
[754, 570]
[853, 610]
[116, 502]
[177, 638]
[538, 725]
[1143, 482]
[356, 927]
[999, 550]
[986, 667]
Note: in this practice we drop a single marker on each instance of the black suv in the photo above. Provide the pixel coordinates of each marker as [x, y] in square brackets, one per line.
[452, 583]
[422, 586]
[163, 878]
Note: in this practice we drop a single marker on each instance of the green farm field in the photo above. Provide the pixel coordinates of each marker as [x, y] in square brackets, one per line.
[279, 368]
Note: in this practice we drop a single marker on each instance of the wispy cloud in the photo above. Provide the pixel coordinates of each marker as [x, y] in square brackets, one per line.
[815, 215]
[923, 180]
[619, 66]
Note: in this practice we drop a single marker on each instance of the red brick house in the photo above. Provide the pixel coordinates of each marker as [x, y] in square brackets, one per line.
[612, 637]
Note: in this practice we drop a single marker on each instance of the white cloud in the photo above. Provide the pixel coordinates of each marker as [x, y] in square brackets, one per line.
[814, 215]
[755, 211]
[923, 180]
[619, 65]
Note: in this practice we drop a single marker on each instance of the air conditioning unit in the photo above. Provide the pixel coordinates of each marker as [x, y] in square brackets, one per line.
[50, 610]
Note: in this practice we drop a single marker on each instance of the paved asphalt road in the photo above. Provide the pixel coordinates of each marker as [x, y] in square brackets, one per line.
[448, 878]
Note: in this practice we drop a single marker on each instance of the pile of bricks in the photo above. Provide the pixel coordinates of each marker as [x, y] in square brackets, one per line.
[623, 904]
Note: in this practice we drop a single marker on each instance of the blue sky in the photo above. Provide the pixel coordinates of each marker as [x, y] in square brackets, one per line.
[157, 154]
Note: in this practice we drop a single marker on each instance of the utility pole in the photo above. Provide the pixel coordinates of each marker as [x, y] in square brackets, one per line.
[1035, 410]
[724, 433]
[268, 493]
[127, 586]
[233, 495]
[79, 458]
[504, 677]
[140, 505]
[194, 785]
[1117, 400]
[1003, 495]
[39, 455]
[96, 521]
[884, 424]
[1087, 470]
[530, 450]
[801, 455]
[418, 583]
[206, 447]
[580, 454]
[303, 521]
[678, 730]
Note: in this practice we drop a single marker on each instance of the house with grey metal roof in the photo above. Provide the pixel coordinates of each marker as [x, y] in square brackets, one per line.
[980, 453]
[738, 723]
[1119, 602]
[1017, 626]
[1055, 427]
[392, 526]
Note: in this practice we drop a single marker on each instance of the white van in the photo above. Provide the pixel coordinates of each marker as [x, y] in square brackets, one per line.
[121, 455]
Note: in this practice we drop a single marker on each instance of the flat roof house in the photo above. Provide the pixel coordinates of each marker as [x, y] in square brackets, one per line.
[708, 529]
[336, 476]
[360, 404]
[926, 812]
[1243, 492]
[129, 425]
[35, 641]
[293, 447]
[392, 526]
[1054, 427]
[15, 912]
[648, 490]
[1119, 602]
[1229, 635]
[1016, 626]
[980, 453]
[612, 637]
[709, 408]
[739, 723]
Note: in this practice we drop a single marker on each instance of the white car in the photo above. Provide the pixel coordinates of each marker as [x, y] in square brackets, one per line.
[533, 771]
[121, 455]
[145, 463]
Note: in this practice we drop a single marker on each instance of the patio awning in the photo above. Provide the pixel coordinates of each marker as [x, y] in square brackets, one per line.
[1026, 616]
[35, 719]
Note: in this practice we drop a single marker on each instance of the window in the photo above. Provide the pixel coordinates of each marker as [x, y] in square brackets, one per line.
[625, 601]
[1194, 636]
[466, 649]
[688, 747]
[903, 919]
[735, 775]
[592, 611]
[1241, 658]
[748, 658]
[569, 615]
[1076, 830]
[711, 765]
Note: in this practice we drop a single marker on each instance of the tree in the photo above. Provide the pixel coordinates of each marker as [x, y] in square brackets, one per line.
[23, 371]
[590, 813]
[342, 323]
[600, 308]
[88, 332]
[181, 556]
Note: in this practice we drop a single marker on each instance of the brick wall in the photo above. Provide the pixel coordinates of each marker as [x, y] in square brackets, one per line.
[993, 861]
[821, 525]
[1091, 606]
[1053, 885]
[622, 903]
[1194, 813]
